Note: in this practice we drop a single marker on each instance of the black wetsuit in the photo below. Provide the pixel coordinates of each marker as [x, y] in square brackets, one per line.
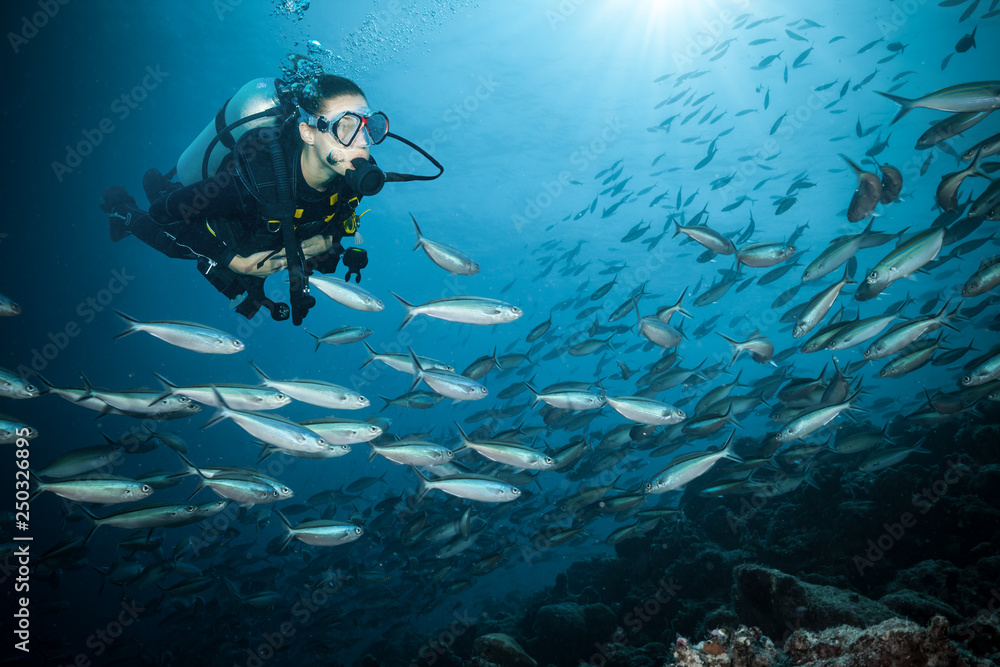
[233, 213]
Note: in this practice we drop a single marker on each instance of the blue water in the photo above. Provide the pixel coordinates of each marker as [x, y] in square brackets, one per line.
[524, 103]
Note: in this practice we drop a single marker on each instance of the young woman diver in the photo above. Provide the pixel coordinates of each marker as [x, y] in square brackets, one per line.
[277, 188]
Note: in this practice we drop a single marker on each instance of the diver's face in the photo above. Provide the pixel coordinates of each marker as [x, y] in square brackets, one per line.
[327, 145]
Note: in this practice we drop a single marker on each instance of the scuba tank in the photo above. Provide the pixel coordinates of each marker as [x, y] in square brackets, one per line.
[266, 103]
[256, 104]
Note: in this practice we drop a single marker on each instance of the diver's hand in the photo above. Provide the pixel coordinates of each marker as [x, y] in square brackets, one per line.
[316, 245]
[248, 265]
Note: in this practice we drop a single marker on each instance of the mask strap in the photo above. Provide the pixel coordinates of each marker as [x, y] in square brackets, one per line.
[393, 177]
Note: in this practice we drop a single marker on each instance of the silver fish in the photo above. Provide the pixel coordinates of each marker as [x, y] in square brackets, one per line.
[963, 97]
[342, 336]
[817, 307]
[448, 258]
[323, 533]
[866, 196]
[764, 254]
[687, 468]
[462, 309]
[316, 392]
[838, 252]
[645, 410]
[346, 294]
[272, 429]
[450, 385]
[759, 346]
[104, 491]
[194, 337]
[471, 487]
[908, 257]
[14, 386]
[8, 307]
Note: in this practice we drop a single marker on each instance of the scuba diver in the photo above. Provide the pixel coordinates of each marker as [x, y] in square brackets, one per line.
[273, 183]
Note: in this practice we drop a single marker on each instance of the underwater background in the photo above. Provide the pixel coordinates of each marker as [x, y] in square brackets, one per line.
[575, 136]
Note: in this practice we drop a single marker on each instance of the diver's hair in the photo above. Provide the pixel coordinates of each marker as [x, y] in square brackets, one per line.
[329, 86]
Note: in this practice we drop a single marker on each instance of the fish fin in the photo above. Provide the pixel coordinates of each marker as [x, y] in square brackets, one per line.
[314, 336]
[221, 412]
[462, 434]
[40, 485]
[95, 521]
[420, 236]
[168, 389]
[533, 391]
[132, 322]
[409, 309]
[419, 375]
[192, 468]
[906, 105]
[853, 166]
[288, 529]
[423, 489]
[371, 354]
[261, 373]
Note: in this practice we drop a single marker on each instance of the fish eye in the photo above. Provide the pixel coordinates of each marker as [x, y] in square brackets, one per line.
[515, 491]
[873, 276]
[30, 388]
[146, 488]
[358, 531]
[548, 461]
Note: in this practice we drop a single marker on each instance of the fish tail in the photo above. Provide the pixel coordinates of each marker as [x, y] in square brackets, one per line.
[221, 412]
[168, 389]
[420, 236]
[191, 468]
[40, 485]
[462, 434]
[288, 530]
[132, 322]
[388, 402]
[855, 167]
[534, 392]
[261, 373]
[423, 489]
[314, 336]
[728, 448]
[94, 520]
[371, 354]
[265, 451]
[419, 375]
[905, 104]
[409, 309]
[732, 343]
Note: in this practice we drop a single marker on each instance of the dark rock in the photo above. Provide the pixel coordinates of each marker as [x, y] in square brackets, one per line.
[778, 603]
[501, 650]
[892, 642]
[918, 607]
[600, 620]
